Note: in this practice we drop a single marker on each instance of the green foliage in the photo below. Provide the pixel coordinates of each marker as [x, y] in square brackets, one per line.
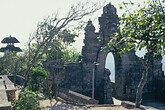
[37, 76]
[11, 64]
[8, 62]
[143, 28]
[60, 49]
[67, 36]
[70, 55]
[26, 101]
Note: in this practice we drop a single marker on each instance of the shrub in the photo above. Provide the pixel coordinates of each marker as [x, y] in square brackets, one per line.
[26, 101]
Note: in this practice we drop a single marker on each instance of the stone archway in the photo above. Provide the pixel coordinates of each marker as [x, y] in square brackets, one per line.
[101, 87]
[92, 53]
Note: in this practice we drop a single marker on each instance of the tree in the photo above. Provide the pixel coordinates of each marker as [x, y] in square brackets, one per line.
[8, 63]
[50, 28]
[11, 64]
[71, 55]
[26, 101]
[142, 28]
[59, 53]
[37, 76]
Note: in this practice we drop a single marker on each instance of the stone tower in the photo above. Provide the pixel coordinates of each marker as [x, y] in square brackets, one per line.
[92, 54]
[108, 25]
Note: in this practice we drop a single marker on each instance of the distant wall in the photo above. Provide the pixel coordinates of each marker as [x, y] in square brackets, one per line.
[73, 77]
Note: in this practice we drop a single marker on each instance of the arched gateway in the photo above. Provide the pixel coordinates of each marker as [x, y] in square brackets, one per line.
[90, 76]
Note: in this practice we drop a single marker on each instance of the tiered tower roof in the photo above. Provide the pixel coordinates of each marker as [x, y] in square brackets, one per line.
[10, 40]
[10, 44]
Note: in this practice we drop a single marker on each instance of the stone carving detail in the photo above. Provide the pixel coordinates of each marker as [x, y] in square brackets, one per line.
[107, 87]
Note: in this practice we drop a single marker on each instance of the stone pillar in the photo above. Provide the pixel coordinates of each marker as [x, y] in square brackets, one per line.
[108, 25]
[89, 53]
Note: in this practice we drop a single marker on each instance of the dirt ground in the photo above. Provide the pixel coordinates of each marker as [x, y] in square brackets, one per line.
[58, 105]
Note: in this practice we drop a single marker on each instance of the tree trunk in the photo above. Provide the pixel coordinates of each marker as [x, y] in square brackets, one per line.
[140, 88]
[53, 86]
[143, 80]
[15, 70]
[26, 81]
[15, 79]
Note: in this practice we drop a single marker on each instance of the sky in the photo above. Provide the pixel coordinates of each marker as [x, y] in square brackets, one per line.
[19, 18]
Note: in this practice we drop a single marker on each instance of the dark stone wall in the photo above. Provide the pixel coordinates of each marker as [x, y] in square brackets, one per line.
[89, 53]
[73, 77]
[159, 93]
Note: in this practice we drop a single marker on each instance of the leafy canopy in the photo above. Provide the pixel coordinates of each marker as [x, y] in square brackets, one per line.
[37, 76]
[8, 62]
[142, 28]
[60, 49]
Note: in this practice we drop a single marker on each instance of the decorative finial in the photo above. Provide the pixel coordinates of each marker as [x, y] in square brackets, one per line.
[89, 21]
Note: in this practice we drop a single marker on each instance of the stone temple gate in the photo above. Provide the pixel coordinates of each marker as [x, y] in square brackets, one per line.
[128, 68]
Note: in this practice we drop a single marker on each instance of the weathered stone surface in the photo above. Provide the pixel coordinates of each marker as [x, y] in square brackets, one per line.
[108, 25]
[75, 97]
[73, 77]
[89, 53]
[159, 92]
[7, 92]
[107, 88]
